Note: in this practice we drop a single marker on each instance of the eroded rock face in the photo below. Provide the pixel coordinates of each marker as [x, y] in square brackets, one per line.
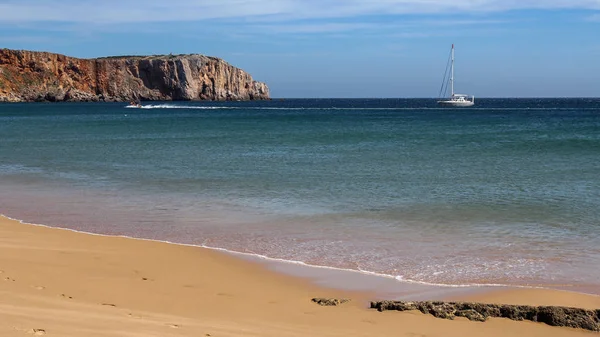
[40, 76]
[551, 315]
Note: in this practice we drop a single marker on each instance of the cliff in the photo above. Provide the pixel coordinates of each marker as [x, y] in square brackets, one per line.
[41, 76]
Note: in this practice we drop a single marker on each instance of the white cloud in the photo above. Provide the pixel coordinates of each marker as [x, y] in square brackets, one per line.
[405, 28]
[140, 11]
[594, 18]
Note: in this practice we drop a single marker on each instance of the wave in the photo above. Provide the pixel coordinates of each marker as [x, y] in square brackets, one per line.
[398, 278]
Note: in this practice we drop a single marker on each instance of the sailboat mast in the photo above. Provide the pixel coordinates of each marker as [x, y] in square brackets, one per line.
[452, 73]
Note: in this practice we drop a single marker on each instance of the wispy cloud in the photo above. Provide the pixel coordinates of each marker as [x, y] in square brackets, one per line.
[594, 18]
[404, 29]
[30, 39]
[305, 28]
[139, 11]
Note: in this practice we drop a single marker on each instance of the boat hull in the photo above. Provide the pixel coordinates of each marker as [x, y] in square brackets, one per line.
[457, 104]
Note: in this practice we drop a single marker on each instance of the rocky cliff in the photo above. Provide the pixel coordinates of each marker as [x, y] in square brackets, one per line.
[40, 76]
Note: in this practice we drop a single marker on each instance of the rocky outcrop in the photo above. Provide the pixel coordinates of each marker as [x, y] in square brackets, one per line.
[41, 76]
[330, 302]
[551, 315]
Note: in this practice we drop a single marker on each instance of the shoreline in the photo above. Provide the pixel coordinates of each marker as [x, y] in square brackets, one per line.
[468, 232]
[389, 287]
[68, 283]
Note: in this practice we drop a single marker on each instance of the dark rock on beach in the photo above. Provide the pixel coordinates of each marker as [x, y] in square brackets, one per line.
[551, 315]
[330, 301]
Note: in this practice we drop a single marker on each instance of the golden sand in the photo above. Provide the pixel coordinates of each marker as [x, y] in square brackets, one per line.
[62, 283]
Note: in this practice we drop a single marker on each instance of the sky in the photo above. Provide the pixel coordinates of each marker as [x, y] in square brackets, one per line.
[338, 48]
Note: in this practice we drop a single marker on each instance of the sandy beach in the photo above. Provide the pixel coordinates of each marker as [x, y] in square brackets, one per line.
[57, 282]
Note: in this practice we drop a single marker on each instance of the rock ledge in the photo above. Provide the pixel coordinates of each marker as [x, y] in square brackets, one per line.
[551, 315]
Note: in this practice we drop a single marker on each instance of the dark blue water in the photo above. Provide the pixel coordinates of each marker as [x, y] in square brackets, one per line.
[506, 192]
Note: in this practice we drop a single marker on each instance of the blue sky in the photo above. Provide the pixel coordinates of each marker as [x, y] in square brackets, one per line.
[338, 48]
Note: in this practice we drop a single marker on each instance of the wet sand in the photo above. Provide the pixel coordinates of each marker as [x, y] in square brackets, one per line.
[57, 282]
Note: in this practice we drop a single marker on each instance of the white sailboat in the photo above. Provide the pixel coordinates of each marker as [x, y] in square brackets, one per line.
[455, 100]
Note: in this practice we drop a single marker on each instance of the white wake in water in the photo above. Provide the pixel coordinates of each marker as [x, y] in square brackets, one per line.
[173, 106]
[199, 107]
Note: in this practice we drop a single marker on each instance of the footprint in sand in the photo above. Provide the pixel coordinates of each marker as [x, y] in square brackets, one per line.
[9, 279]
[174, 326]
[65, 296]
[37, 332]
[134, 316]
[109, 304]
[38, 287]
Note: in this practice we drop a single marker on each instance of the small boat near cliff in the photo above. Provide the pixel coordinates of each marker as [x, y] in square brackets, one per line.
[134, 105]
[455, 100]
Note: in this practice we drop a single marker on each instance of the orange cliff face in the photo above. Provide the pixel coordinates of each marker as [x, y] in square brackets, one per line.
[27, 76]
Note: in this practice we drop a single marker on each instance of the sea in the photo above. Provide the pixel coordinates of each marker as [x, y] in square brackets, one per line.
[505, 193]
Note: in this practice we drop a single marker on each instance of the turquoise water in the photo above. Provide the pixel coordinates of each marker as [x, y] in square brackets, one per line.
[507, 192]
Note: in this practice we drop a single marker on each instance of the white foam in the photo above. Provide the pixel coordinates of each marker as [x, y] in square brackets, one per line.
[398, 278]
[215, 107]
